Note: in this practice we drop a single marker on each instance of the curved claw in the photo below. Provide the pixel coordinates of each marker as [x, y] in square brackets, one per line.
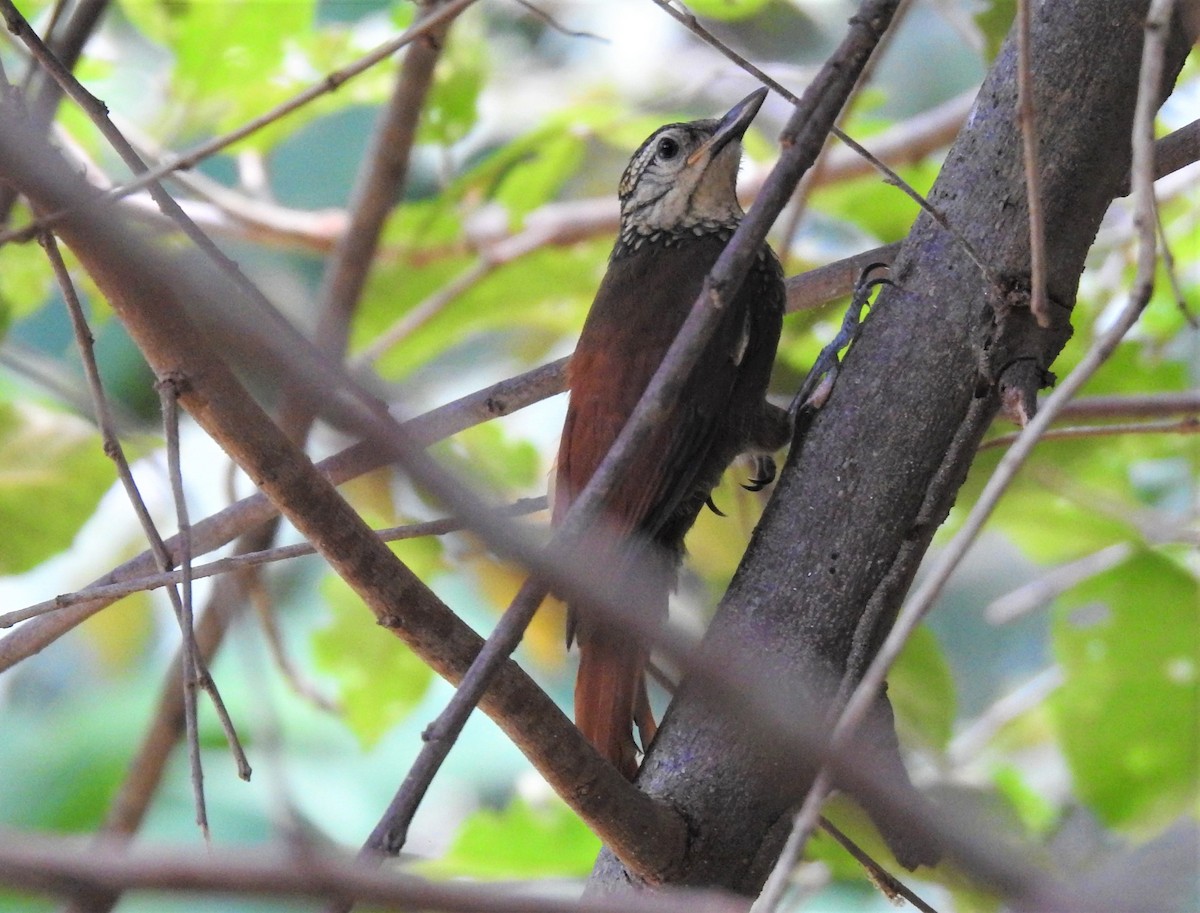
[764, 473]
[708, 502]
[870, 268]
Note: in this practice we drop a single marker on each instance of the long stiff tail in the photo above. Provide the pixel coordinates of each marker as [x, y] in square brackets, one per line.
[610, 696]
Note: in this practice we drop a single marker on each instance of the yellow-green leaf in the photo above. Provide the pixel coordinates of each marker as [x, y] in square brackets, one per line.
[379, 679]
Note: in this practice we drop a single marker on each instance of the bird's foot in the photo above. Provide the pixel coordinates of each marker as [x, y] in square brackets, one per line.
[764, 472]
[823, 375]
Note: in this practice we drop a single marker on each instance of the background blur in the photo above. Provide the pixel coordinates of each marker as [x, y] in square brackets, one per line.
[1070, 710]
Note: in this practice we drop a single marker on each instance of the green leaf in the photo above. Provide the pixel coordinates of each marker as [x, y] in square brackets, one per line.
[727, 10]
[26, 280]
[220, 83]
[886, 213]
[1034, 810]
[451, 109]
[994, 22]
[547, 291]
[379, 679]
[1128, 642]
[522, 841]
[488, 454]
[52, 473]
[540, 174]
[921, 690]
[528, 171]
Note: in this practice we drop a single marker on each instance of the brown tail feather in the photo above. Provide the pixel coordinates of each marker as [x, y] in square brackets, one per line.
[610, 692]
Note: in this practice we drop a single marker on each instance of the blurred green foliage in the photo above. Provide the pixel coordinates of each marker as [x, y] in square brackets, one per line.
[523, 840]
[521, 116]
[52, 473]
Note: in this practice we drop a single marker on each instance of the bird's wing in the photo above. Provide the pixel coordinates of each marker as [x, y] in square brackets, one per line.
[636, 315]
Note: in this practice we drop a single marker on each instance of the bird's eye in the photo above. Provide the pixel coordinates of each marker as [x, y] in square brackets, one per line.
[667, 148]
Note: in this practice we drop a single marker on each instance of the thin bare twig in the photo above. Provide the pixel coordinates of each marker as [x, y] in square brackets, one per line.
[331, 82]
[1027, 120]
[112, 447]
[918, 605]
[1172, 274]
[169, 397]
[1134, 405]
[391, 832]
[892, 886]
[419, 315]
[1040, 591]
[241, 561]
[985, 727]
[558, 26]
[1189, 425]
[258, 594]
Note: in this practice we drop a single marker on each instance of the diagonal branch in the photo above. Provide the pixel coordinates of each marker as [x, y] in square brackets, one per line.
[650, 835]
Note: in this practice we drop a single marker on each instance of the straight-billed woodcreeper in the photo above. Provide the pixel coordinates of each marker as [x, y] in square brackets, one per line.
[679, 209]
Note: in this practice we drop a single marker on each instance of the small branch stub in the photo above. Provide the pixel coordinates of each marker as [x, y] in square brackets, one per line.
[1017, 354]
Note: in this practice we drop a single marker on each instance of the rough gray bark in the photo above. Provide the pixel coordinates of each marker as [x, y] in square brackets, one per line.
[857, 504]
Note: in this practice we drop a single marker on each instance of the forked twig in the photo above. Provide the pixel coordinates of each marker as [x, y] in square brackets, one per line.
[169, 397]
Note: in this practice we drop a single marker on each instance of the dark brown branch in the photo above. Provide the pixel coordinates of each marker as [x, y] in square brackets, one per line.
[1134, 405]
[168, 393]
[58, 866]
[1173, 152]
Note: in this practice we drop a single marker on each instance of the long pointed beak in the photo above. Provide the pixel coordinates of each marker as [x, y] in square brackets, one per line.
[732, 126]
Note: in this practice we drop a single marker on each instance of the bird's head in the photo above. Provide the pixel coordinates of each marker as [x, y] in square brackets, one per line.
[685, 175]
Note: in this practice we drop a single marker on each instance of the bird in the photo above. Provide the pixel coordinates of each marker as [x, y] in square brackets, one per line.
[679, 209]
